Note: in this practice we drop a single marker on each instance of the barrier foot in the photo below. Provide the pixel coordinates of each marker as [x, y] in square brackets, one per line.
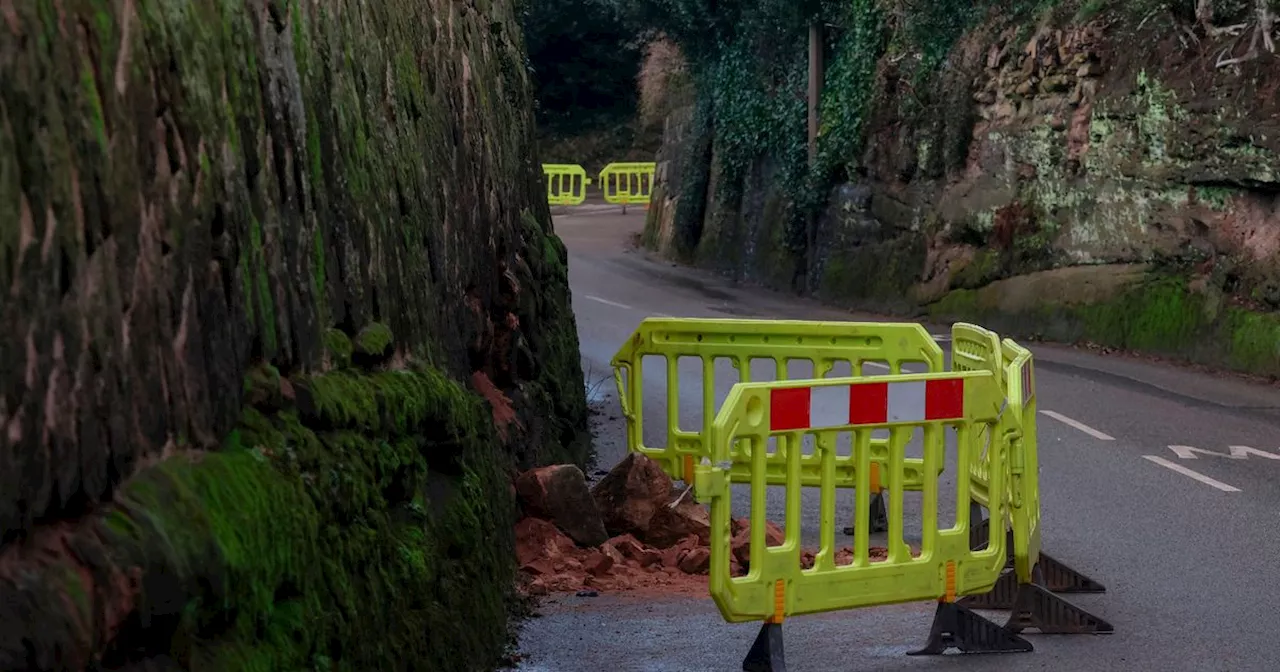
[766, 653]
[957, 627]
[879, 513]
[878, 517]
[1003, 595]
[1037, 608]
[1060, 578]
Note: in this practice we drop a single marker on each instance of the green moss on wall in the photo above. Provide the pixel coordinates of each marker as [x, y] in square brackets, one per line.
[876, 275]
[1158, 315]
[373, 341]
[376, 531]
[231, 191]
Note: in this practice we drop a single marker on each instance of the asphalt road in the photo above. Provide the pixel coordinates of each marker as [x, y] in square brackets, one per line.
[1156, 480]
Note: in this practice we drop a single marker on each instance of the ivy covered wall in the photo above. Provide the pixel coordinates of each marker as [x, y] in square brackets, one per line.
[970, 146]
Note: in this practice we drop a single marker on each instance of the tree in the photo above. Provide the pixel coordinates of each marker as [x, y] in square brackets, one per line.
[585, 58]
[1265, 18]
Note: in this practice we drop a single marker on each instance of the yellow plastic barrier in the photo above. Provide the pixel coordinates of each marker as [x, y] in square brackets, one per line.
[1025, 466]
[627, 183]
[566, 183]
[996, 462]
[1028, 590]
[776, 586]
[822, 344]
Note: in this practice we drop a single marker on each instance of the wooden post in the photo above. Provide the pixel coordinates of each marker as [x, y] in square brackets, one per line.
[815, 85]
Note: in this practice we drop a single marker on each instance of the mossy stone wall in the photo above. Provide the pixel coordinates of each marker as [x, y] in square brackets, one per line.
[341, 197]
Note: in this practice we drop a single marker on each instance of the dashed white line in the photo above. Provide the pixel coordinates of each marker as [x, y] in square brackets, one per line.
[1174, 466]
[607, 302]
[1079, 425]
[878, 365]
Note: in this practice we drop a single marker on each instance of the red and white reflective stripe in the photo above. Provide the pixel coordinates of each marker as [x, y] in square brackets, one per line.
[871, 403]
[1028, 387]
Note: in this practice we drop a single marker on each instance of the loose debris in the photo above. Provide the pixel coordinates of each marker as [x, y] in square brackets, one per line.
[660, 539]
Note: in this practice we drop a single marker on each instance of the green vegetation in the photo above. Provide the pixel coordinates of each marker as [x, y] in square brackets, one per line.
[392, 472]
[1158, 315]
[584, 59]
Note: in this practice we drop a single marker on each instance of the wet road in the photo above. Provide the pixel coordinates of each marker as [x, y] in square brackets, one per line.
[1157, 481]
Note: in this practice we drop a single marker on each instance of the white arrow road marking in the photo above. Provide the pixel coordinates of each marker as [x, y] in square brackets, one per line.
[1174, 466]
[1237, 453]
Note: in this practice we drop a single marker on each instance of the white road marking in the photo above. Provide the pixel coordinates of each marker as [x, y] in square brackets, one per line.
[606, 302]
[1237, 453]
[941, 338]
[1079, 425]
[878, 365]
[1174, 466]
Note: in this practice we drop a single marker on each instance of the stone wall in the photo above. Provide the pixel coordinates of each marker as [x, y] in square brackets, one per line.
[1107, 163]
[282, 307]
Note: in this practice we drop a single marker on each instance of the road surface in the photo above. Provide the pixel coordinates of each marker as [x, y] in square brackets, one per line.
[1157, 481]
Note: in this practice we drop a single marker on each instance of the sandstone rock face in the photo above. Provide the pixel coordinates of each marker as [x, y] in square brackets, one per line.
[343, 198]
[1098, 145]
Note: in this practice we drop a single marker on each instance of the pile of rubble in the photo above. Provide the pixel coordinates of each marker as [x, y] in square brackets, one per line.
[634, 530]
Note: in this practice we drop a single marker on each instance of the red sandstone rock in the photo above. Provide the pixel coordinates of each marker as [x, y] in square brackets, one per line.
[670, 525]
[741, 544]
[597, 563]
[538, 539]
[634, 550]
[612, 552]
[695, 561]
[630, 494]
[559, 493]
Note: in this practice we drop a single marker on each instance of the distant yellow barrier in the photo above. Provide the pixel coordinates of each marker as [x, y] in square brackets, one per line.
[627, 183]
[566, 183]
[787, 433]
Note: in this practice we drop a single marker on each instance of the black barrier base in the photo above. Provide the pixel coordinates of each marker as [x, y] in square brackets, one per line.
[957, 627]
[766, 653]
[1002, 596]
[1051, 574]
[879, 513]
[878, 517]
[1036, 608]
[1062, 579]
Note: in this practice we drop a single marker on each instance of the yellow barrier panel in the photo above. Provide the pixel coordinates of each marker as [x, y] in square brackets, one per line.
[1025, 465]
[566, 183]
[627, 183]
[776, 585]
[1028, 590]
[823, 345]
[976, 349]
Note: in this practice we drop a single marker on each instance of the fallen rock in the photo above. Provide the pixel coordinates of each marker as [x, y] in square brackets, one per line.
[597, 563]
[671, 556]
[629, 496]
[538, 539]
[559, 493]
[612, 552]
[741, 543]
[669, 525]
[558, 583]
[632, 549]
[696, 560]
